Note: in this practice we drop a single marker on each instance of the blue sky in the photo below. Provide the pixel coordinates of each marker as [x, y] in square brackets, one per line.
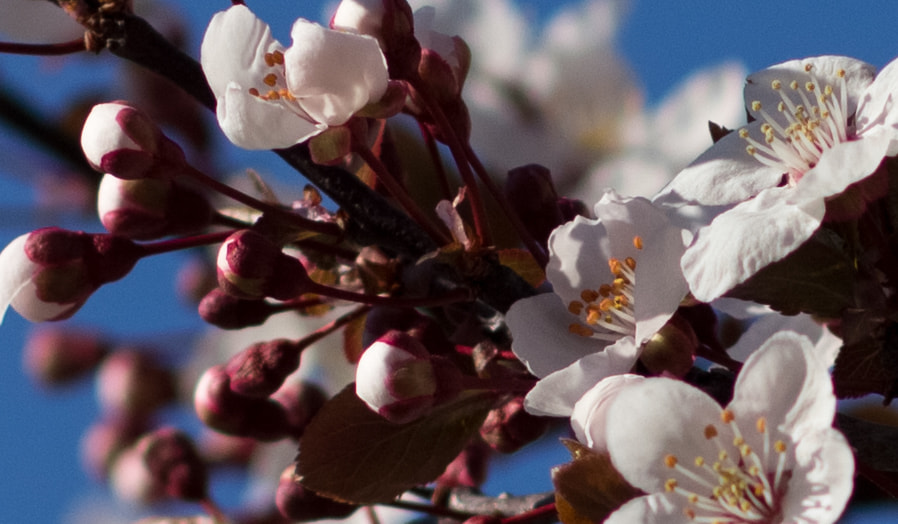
[663, 41]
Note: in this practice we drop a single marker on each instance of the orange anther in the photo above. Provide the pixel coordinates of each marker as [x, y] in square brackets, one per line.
[637, 242]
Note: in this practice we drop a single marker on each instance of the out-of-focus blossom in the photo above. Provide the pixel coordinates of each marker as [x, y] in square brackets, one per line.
[270, 96]
[820, 124]
[770, 456]
[662, 140]
[594, 323]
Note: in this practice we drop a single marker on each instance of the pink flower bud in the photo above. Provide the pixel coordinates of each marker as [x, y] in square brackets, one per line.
[301, 401]
[161, 464]
[146, 209]
[56, 356]
[398, 379]
[297, 503]
[532, 195]
[260, 370]
[131, 383]
[251, 266]
[105, 440]
[223, 410]
[123, 141]
[229, 312]
[509, 428]
[49, 273]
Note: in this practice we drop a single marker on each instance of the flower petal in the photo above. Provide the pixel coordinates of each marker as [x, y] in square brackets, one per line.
[15, 271]
[858, 75]
[656, 418]
[579, 252]
[821, 486]
[590, 414]
[541, 336]
[234, 48]
[556, 394]
[877, 106]
[333, 74]
[724, 174]
[253, 123]
[657, 508]
[741, 241]
[787, 364]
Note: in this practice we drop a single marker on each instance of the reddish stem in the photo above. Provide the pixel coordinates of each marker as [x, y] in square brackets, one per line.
[399, 193]
[177, 244]
[272, 210]
[64, 48]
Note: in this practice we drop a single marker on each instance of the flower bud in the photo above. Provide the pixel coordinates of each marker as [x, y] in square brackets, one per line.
[297, 503]
[389, 21]
[131, 383]
[251, 266]
[104, 441]
[49, 273]
[572, 208]
[123, 141]
[161, 464]
[301, 401]
[399, 380]
[672, 349]
[146, 209]
[223, 410]
[509, 428]
[229, 312]
[260, 370]
[531, 193]
[56, 356]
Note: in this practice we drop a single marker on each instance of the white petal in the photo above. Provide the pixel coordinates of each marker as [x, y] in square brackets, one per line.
[741, 241]
[846, 164]
[858, 75]
[253, 123]
[590, 416]
[660, 285]
[656, 418]
[786, 382]
[15, 271]
[556, 394]
[724, 174]
[657, 508]
[234, 48]
[821, 486]
[825, 343]
[333, 74]
[579, 252]
[542, 341]
[877, 105]
[103, 134]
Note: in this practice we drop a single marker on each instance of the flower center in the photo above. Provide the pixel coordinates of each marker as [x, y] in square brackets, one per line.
[607, 313]
[814, 118]
[741, 485]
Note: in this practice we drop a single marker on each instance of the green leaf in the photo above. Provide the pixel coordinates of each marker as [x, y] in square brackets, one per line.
[817, 278]
[588, 488]
[352, 454]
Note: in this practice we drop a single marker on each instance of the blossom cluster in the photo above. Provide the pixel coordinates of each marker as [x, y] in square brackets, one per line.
[482, 255]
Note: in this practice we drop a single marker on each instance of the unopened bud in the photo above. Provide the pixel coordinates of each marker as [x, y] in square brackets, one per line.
[56, 356]
[123, 141]
[105, 440]
[49, 273]
[229, 312]
[389, 21]
[221, 409]
[251, 266]
[298, 503]
[260, 370]
[131, 383]
[531, 193]
[398, 379]
[509, 428]
[672, 349]
[146, 209]
[572, 208]
[301, 401]
[161, 464]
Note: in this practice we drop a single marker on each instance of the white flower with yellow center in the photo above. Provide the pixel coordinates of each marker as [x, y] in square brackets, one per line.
[270, 96]
[616, 281]
[770, 456]
[818, 125]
